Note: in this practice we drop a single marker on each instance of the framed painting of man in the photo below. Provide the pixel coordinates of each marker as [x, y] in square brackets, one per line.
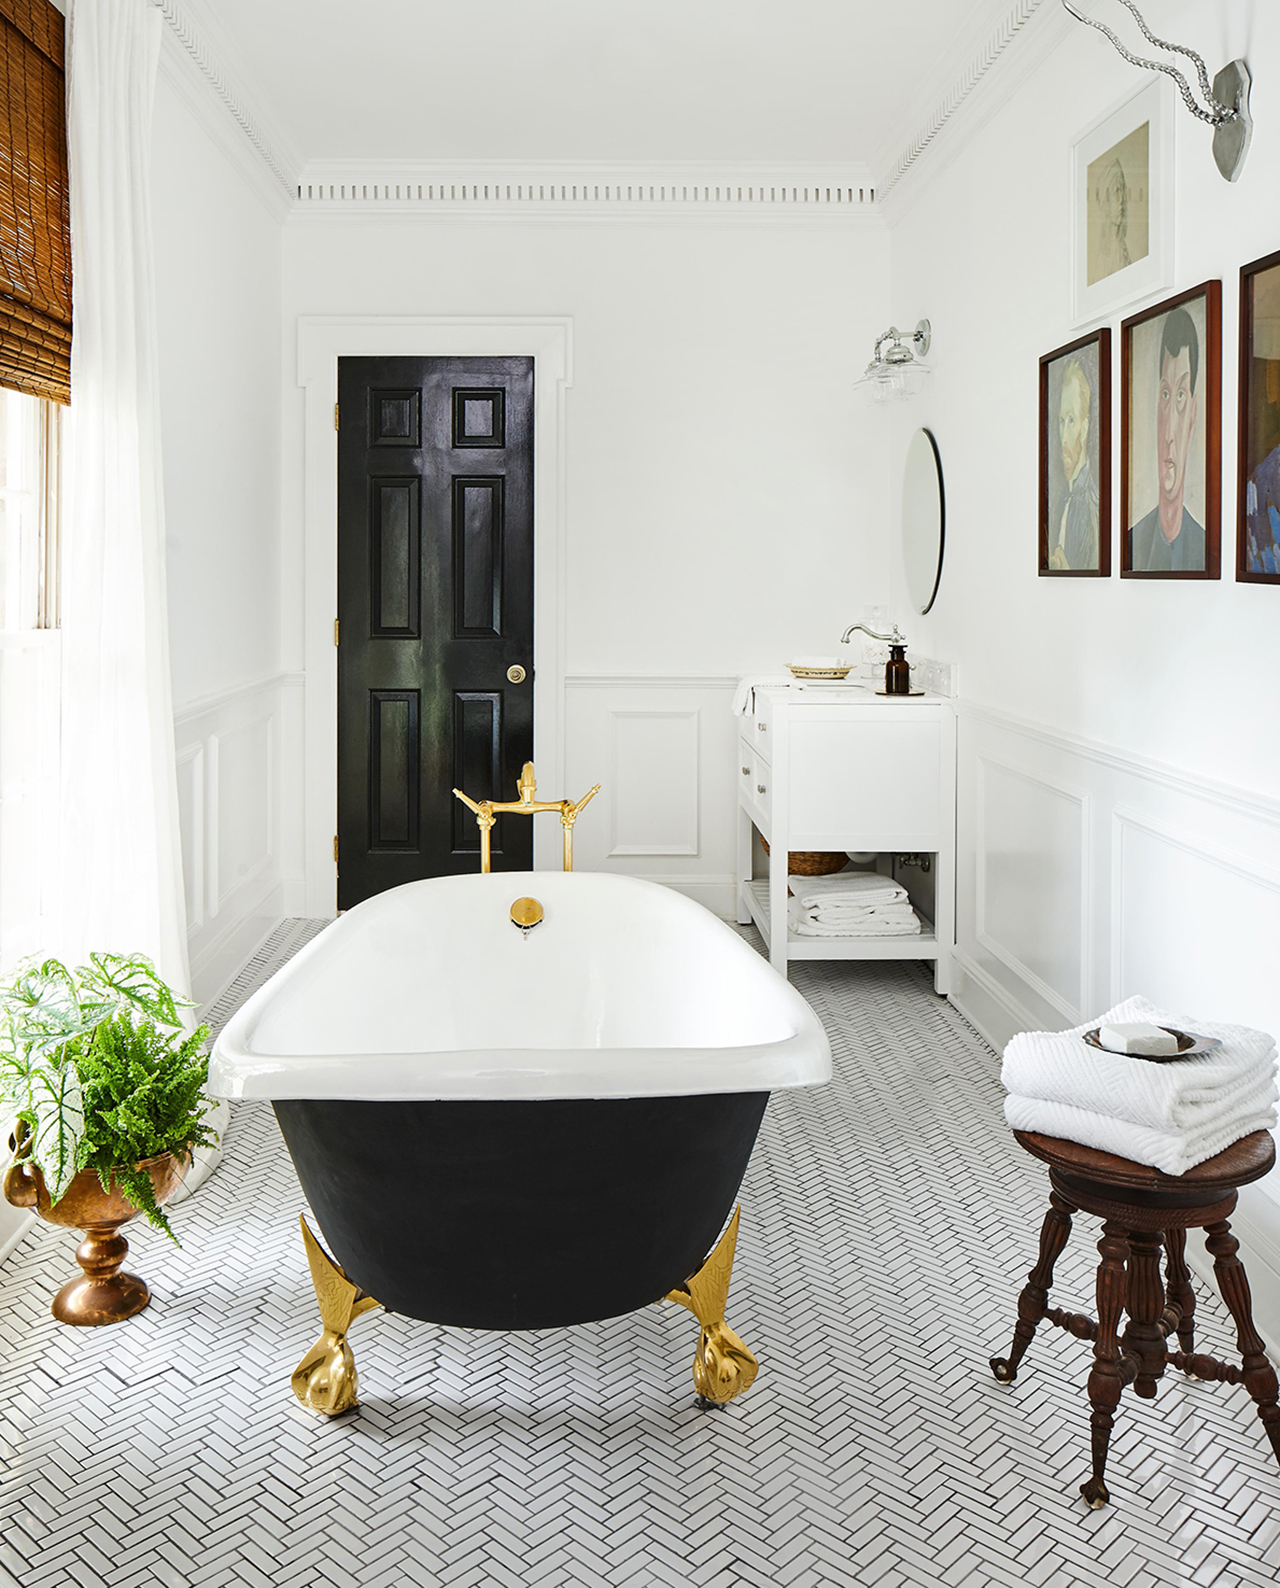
[1171, 437]
[1258, 496]
[1075, 458]
[1122, 205]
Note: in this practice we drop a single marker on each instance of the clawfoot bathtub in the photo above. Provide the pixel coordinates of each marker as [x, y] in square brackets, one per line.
[509, 1118]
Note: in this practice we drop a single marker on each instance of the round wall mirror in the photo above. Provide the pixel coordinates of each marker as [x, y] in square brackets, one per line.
[923, 520]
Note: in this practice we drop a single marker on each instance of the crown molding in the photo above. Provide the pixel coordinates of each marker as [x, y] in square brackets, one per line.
[259, 152]
[959, 104]
[614, 191]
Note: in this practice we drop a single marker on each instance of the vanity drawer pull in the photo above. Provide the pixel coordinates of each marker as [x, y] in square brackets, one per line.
[746, 771]
[762, 727]
[759, 788]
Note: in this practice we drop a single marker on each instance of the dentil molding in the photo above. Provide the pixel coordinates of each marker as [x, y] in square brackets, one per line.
[359, 188]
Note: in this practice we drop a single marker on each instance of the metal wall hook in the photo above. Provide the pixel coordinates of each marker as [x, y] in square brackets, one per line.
[1227, 97]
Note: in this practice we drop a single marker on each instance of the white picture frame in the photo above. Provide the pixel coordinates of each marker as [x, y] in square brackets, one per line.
[1115, 213]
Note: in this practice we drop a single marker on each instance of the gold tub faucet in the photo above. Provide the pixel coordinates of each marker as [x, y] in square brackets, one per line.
[487, 812]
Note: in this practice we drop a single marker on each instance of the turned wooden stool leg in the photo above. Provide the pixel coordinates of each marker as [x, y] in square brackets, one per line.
[1105, 1376]
[1144, 1339]
[1033, 1303]
[1180, 1298]
[1233, 1282]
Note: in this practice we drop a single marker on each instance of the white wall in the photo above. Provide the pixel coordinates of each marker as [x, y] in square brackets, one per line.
[217, 250]
[724, 512]
[1119, 760]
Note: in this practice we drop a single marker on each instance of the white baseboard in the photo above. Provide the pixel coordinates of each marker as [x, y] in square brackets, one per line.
[221, 959]
[14, 1224]
[989, 1006]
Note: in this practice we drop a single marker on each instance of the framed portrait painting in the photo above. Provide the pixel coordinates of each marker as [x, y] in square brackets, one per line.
[1075, 458]
[1258, 498]
[1171, 437]
[1122, 205]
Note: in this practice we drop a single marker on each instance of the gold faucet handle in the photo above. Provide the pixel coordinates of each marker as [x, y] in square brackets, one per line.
[573, 811]
[467, 801]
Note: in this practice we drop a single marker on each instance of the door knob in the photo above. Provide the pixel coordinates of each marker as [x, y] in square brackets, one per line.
[516, 674]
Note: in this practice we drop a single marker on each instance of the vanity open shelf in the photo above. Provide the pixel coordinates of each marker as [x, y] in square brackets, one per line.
[925, 946]
[845, 769]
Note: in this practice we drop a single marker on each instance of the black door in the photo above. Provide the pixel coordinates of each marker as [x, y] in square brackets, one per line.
[435, 606]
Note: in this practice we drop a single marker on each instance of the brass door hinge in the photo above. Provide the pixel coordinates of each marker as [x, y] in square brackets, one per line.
[335, 417]
[335, 849]
[335, 631]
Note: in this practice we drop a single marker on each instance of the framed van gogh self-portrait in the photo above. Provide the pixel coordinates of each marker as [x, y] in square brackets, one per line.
[1075, 458]
[1171, 437]
[1258, 498]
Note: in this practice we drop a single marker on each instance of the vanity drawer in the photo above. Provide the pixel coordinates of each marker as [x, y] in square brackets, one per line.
[754, 776]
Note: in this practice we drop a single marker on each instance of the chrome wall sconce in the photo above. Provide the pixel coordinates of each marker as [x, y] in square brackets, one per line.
[895, 369]
[1227, 98]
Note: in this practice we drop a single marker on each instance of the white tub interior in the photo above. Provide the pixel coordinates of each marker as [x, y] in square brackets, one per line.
[435, 972]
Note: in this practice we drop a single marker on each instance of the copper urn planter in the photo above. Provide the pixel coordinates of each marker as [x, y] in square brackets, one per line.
[102, 1293]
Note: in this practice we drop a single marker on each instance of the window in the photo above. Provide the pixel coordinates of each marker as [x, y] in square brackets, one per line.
[29, 477]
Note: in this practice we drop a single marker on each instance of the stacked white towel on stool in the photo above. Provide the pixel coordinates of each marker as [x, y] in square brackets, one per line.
[1172, 1115]
[856, 904]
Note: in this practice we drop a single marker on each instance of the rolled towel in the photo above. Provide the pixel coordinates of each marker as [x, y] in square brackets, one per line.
[1171, 1153]
[850, 887]
[1059, 1067]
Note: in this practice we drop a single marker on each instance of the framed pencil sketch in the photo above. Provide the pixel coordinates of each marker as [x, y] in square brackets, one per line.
[1258, 496]
[1171, 437]
[1075, 458]
[1122, 205]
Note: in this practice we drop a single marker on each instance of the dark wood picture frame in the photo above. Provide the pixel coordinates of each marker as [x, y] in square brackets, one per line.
[1209, 397]
[1245, 425]
[1101, 428]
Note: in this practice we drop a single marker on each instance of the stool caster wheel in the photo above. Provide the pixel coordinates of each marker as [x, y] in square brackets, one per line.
[1096, 1492]
[1004, 1372]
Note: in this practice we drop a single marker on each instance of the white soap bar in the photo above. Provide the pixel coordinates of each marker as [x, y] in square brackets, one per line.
[1140, 1038]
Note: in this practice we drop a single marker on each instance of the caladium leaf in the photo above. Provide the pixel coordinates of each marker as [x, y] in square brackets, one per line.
[132, 980]
[57, 1106]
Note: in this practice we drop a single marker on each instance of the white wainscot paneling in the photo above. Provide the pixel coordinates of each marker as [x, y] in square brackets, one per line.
[1085, 867]
[1031, 841]
[242, 787]
[239, 799]
[663, 751]
[653, 772]
[1195, 927]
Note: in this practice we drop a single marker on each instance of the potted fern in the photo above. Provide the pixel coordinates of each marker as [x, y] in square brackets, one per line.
[106, 1092]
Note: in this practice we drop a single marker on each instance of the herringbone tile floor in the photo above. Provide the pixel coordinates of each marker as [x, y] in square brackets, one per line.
[888, 1222]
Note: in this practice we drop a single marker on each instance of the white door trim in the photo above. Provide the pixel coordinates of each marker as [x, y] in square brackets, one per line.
[322, 341]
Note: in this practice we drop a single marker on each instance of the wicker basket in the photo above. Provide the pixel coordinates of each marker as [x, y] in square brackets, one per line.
[812, 862]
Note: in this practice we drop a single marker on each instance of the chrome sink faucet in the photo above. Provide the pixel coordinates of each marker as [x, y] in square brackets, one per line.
[893, 639]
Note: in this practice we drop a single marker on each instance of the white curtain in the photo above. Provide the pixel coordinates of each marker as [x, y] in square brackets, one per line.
[121, 887]
[122, 867]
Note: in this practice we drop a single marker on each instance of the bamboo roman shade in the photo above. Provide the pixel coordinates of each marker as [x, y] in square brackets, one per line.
[35, 212]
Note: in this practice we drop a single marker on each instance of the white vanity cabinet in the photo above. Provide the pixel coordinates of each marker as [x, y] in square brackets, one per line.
[846, 769]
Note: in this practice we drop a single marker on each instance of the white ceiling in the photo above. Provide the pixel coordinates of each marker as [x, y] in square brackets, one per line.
[735, 82]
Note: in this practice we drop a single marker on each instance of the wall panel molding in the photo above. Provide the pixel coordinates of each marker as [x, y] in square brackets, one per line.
[1231, 796]
[656, 783]
[1066, 1001]
[238, 787]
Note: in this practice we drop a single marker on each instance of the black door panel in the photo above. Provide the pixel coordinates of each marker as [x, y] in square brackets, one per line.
[435, 603]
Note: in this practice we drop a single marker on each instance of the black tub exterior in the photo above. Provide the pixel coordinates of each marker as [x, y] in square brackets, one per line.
[521, 1215]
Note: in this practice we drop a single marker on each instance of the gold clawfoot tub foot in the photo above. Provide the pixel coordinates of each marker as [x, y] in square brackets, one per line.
[325, 1379]
[723, 1367]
